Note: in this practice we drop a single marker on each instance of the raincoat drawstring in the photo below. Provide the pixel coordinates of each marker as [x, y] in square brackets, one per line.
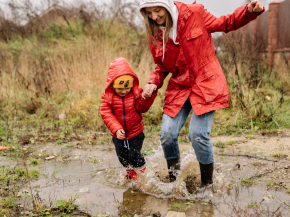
[163, 46]
[177, 43]
[126, 144]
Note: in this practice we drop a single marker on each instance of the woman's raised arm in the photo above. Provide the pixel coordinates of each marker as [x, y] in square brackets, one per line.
[241, 16]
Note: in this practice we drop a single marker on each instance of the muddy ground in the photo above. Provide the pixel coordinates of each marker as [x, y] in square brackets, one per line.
[252, 175]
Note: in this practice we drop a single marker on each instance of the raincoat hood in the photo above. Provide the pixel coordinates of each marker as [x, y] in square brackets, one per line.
[169, 6]
[173, 11]
[118, 68]
[124, 112]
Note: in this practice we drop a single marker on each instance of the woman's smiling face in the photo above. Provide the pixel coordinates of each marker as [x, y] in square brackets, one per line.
[157, 13]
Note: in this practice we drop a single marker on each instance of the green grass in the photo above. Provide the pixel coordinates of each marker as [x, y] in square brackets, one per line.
[231, 142]
[59, 141]
[34, 161]
[10, 202]
[179, 206]
[279, 155]
[252, 205]
[147, 152]
[272, 183]
[34, 173]
[248, 181]
[220, 144]
[94, 160]
[67, 205]
[12, 180]
[176, 206]
[38, 47]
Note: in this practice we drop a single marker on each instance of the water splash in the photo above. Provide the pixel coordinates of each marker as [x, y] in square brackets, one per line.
[153, 181]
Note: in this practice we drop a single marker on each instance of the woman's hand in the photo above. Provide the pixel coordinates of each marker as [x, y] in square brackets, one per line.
[148, 90]
[255, 6]
[120, 134]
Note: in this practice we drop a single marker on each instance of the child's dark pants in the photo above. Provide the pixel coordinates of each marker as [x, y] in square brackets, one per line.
[131, 156]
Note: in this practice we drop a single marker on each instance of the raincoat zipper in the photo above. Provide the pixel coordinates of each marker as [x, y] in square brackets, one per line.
[140, 118]
[126, 142]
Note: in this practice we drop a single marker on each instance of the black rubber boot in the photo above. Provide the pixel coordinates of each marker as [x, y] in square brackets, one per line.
[206, 173]
[173, 168]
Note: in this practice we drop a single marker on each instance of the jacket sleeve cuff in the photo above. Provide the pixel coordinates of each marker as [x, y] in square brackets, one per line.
[154, 82]
[115, 130]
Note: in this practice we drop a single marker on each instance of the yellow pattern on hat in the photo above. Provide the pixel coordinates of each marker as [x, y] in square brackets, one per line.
[124, 81]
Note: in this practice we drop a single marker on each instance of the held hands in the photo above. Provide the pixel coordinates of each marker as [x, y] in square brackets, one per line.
[148, 90]
[120, 134]
[255, 6]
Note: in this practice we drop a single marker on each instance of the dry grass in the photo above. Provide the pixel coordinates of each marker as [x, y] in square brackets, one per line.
[78, 65]
[63, 69]
[257, 93]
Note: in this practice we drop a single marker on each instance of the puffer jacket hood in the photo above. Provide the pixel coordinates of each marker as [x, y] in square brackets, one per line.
[124, 112]
[118, 68]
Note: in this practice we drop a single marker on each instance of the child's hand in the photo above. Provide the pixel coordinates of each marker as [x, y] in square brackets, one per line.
[120, 134]
[148, 90]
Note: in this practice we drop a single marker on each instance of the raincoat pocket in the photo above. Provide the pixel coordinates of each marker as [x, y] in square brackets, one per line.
[170, 94]
[213, 87]
[194, 33]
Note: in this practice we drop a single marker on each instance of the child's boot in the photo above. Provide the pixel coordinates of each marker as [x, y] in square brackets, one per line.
[132, 174]
[142, 170]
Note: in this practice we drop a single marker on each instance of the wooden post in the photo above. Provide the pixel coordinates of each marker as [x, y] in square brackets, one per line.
[273, 31]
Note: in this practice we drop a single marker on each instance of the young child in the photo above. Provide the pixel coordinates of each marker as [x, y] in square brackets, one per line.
[121, 108]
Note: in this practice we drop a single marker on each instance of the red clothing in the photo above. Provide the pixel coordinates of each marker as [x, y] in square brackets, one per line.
[124, 112]
[196, 72]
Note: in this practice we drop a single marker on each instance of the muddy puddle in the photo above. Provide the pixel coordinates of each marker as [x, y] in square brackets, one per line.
[98, 181]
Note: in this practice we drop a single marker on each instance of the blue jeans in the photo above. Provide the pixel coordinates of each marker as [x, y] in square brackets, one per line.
[199, 134]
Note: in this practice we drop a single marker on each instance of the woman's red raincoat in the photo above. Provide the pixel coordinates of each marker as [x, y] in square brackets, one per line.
[196, 72]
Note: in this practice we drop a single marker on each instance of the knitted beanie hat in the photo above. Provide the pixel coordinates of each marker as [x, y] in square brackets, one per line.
[124, 81]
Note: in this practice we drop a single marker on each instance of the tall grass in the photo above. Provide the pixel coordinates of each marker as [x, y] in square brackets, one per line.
[63, 69]
[257, 93]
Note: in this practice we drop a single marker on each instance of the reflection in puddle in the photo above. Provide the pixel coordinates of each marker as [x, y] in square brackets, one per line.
[101, 186]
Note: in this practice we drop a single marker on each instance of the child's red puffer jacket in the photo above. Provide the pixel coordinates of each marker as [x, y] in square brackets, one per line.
[124, 112]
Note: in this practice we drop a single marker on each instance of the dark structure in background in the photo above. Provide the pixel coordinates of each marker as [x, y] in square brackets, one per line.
[35, 22]
[272, 28]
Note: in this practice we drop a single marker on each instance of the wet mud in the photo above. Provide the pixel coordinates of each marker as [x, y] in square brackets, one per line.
[100, 184]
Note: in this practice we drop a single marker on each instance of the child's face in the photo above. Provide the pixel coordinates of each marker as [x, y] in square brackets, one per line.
[122, 91]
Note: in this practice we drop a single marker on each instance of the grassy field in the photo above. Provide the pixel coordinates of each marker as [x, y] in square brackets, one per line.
[62, 71]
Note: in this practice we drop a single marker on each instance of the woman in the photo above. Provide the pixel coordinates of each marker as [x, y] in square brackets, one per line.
[184, 48]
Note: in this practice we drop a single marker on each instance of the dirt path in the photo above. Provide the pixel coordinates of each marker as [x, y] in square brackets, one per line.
[257, 167]
[265, 158]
